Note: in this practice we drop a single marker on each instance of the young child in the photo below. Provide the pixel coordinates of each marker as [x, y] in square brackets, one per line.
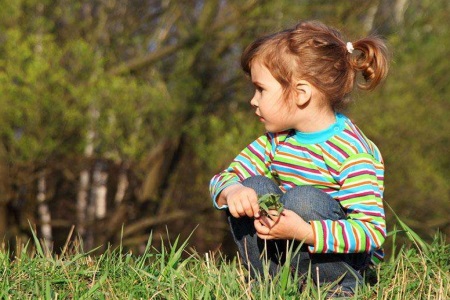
[328, 173]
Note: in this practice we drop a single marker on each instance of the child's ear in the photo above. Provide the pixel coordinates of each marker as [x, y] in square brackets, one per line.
[304, 92]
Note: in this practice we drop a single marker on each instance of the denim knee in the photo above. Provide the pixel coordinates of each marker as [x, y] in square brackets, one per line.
[262, 185]
[312, 204]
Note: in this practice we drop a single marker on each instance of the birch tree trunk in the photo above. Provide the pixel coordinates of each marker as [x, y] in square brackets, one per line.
[82, 202]
[389, 14]
[399, 10]
[43, 209]
[83, 189]
[122, 184]
[98, 191]
[96, 209]
[44, 212]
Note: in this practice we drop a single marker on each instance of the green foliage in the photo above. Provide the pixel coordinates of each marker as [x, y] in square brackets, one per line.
[219, 138]
[269, 202]
[130, 113]
[37, 116]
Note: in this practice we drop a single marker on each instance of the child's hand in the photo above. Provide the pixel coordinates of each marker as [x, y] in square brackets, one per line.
[242, 201]
[287, 226]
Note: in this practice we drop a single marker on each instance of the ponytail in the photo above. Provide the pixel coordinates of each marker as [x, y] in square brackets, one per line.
[372, 61]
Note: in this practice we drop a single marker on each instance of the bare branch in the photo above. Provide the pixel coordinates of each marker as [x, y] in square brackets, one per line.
[154, 56]
[147, 59]
[152, 221]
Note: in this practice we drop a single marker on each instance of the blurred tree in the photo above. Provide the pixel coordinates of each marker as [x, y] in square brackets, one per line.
[128, 82]
[38, 112]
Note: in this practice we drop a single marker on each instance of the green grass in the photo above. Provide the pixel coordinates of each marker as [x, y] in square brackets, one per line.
[419, 271]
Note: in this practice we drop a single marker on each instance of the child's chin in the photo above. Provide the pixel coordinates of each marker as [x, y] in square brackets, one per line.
[272, 129]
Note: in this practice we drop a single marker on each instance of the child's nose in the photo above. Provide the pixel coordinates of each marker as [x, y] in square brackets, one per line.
[254, 102]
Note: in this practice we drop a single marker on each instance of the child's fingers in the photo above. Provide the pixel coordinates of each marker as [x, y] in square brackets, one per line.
[252, 207]
[249, 202]
[236, 209]
[244, 208]
[274, 215]
[241, 208]
[265, 236]
[232, 210]
[264, 232]
[266, 222]
[262, 228]
[247, 207]
[242, 201]
[255, 207]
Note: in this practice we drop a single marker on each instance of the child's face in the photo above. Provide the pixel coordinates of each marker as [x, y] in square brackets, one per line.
[271, 107]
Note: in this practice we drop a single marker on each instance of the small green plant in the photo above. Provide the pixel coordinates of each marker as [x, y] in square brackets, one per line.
[270, 202]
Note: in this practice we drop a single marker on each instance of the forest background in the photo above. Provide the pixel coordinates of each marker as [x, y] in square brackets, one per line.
[115, 114]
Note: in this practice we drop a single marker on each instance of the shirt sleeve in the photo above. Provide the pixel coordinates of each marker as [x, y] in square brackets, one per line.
[253, 160]
[360, 195]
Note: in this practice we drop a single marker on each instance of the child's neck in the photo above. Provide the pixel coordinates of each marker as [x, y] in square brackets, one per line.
[317, 120]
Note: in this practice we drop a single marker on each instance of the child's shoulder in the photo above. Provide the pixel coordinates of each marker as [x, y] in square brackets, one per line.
[272, 140]
[278, 137]
[353, 141]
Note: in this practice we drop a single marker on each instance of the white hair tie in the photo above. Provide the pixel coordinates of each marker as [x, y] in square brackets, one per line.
[350, 47]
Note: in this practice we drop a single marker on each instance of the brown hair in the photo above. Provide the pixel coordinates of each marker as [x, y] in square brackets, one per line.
[318, 54]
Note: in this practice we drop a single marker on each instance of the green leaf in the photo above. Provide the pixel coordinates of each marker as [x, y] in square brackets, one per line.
[270, 202]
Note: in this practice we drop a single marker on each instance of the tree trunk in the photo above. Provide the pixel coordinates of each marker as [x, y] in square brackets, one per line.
[83, 189]
[3, 220]
[44, 212]
[99, 190]
[4, 176]
[122, 184]
[399, 11]
[96, 209]
[389, 16]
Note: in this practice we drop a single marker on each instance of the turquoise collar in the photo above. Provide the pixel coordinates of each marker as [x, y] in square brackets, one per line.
[322, 135]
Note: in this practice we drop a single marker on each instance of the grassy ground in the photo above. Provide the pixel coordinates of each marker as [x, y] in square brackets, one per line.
[420, 271]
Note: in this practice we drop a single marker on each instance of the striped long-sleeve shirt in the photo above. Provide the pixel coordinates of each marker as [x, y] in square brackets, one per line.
[340, 161]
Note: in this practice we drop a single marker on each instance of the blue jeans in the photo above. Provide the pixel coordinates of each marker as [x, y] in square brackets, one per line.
[311, 204]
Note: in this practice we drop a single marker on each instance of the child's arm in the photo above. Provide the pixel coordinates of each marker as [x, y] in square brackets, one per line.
[364, 230]
[254, 160]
